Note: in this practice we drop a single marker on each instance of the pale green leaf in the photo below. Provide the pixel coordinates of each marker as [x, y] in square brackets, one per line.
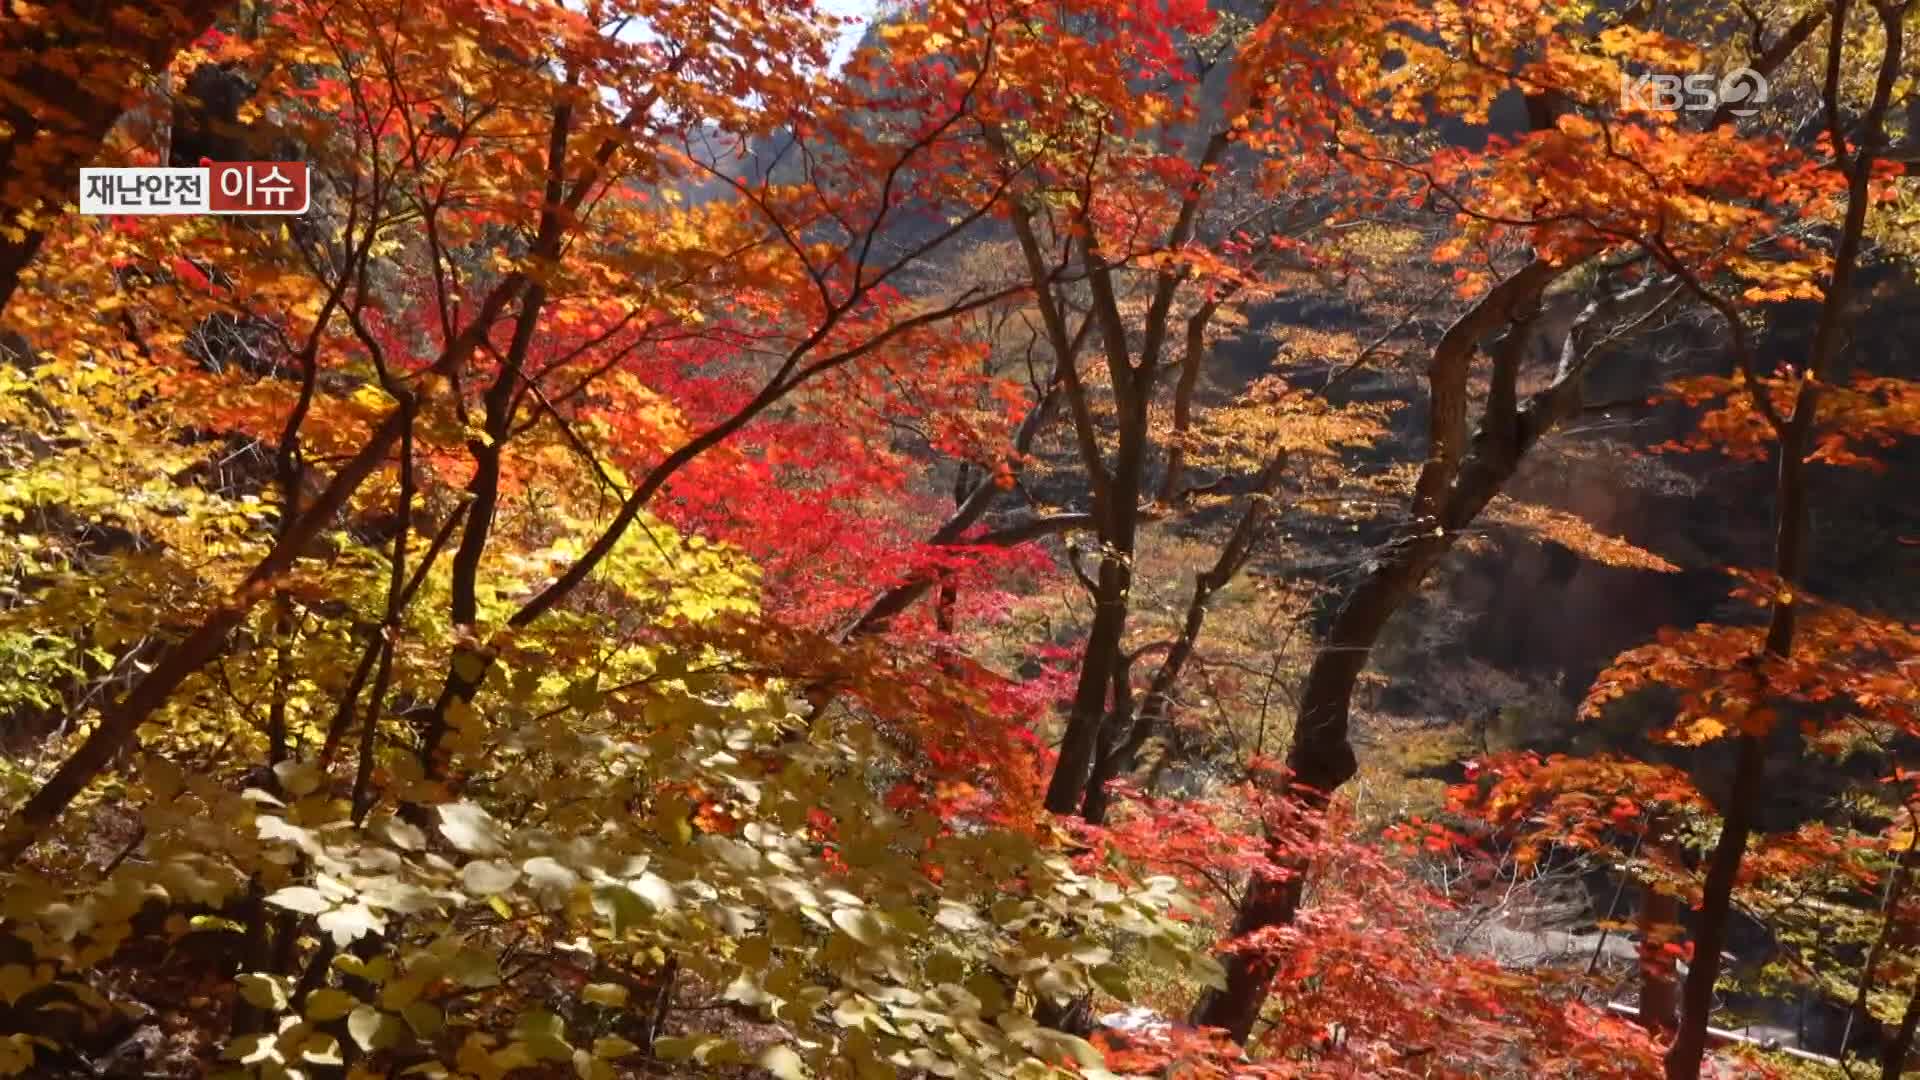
[329, 1004]
[611, 995]
[471, 829]
[783, 1063]
[300, 898]
[485, 878]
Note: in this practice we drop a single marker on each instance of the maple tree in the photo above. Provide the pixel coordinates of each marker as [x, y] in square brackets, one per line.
[70, 69]
[499, 367]
[1590, 216]
[1730, 678]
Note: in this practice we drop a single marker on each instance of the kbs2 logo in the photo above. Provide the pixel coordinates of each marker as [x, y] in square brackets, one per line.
[1741, 92]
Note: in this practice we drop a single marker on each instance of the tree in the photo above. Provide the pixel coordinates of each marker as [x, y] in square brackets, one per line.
[70, 69]
[1748, 688]
[1681, 200]
[467, 333]
[600, 590]
[1128, 198]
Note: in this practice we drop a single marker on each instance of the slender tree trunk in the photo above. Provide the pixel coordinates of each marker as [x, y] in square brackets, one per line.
[461, 683]
[1129, 729]
[1080, 744]
[1659, 999]
[501, 400]
[1740, 811]
[1183, 402]
[200, 646]
[1454, 487]
[1716, 908]
[1321, 760]
[1119, 528]
[1117, 746]
[1796, 439]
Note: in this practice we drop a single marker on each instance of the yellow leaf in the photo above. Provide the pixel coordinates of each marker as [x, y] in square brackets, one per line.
[611, 995]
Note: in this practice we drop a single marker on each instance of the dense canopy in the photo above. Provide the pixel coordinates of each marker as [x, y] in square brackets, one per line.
[980, 538]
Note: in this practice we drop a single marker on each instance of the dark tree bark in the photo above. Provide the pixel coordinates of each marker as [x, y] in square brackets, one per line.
[1322, 759]
[1716, 908]
[1460, 477]
[1129, 729]
[1183, 390]
[1796, 435]
[1659, 995]
[1109, 486]
[1101, 654]
[1134, 356]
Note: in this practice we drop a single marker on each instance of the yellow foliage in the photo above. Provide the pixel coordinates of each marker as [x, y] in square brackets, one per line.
[1575, 534]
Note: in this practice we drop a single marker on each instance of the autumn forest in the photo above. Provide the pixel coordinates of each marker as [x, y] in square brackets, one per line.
[1188, 539]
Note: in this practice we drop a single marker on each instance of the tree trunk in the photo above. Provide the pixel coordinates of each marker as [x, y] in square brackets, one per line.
[1791, 536]
[1081, 743]
[1128, 729]
[1659, 1000]
[1118, 749]
[1119, 517]
[1321, 760]
[1183, 402]
[1716, 909]
[1321, 756]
